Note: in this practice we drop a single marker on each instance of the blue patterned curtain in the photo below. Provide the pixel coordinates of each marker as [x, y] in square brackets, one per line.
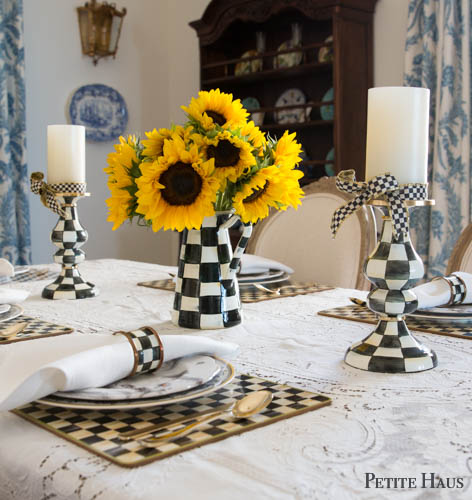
[15, 242]
[438, 51]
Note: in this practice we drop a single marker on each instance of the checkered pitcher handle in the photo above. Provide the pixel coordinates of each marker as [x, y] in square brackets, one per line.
[385, 185]
[241, 246]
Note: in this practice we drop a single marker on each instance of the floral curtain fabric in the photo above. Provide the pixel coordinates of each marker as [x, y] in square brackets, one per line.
[438, 50]
[14, 211]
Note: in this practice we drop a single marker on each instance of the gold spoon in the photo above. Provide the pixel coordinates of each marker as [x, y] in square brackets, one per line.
[13, 330]
[245, 407]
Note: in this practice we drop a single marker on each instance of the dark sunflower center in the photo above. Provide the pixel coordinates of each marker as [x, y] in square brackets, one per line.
[182, 184]
[256, 193]
[218, 118]
[225, 154]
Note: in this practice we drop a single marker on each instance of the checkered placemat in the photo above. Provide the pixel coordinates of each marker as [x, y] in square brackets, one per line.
[36, 328]
[251, 294]
[31, 275]
[461, 329]
[98, 431]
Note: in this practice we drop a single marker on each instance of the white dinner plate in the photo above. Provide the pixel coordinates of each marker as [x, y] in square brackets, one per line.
[223, 377]
[175, 376]
[273, 275]
[4, 308]
[460, 312]
[13, 312]
[21, 269]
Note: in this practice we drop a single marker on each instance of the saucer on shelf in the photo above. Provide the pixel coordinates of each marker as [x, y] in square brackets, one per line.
[325, 54]
[247, 67]
[288, 59]
[327, 110]
[291, 97]
[252, 105]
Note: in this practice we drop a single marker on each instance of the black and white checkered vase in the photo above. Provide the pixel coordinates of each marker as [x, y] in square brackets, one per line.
[68, 235]
[394, 267]
[206, 290]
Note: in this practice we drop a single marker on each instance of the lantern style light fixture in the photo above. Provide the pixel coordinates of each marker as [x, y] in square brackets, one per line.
[100, 28]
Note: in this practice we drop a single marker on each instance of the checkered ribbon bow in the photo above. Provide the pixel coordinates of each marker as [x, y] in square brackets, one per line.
[385, 185]
[48, 191]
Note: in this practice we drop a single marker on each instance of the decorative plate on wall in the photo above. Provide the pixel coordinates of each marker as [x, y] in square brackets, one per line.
[101, 109]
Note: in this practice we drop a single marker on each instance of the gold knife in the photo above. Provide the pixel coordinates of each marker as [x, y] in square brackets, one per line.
[137, 433]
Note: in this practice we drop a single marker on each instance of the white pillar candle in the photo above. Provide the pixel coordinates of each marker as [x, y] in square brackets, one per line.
[397, 133]
[66, 153]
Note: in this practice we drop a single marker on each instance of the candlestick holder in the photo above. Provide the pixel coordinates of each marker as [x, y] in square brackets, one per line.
[393, 267]
[68, 235]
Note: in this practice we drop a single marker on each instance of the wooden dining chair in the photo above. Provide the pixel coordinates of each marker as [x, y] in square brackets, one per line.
[461, 255]
[302, 238]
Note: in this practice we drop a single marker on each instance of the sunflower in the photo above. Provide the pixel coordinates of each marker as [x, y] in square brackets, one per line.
[213, 108]
[232, 155]
[177, 190]
[292, 193]
[262, 191]
[254, 135]
[121, 182]
[287, 151]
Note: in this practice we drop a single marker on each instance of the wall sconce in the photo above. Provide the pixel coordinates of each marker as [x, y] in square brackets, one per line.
[100, 28]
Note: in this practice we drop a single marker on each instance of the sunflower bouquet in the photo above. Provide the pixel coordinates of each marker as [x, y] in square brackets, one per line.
[217, 161]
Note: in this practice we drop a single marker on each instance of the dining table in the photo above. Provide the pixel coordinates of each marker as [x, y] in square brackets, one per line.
[378, 426]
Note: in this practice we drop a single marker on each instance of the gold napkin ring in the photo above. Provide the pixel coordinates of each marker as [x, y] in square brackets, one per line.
[147, 349]
[458, 289]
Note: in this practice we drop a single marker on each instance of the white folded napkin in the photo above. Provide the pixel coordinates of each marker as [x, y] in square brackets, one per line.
[6, 269]
[438, 292]
[12, 295]
[36, 368]
[252, 264]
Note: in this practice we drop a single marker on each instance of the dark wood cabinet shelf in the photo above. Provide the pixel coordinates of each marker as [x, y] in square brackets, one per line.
[271, 74]
[230, 34]
[296, 126]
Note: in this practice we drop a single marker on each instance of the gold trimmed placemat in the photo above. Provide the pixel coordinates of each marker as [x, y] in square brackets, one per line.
[31, 275]
[35, 328]
[251, 293]
[460, 329]
[98, 430]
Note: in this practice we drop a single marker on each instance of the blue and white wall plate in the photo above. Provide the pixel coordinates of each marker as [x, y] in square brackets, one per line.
[101, 109]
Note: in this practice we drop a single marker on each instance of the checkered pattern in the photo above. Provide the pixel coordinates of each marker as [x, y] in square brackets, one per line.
[250, 294]
[206, 291]
[458, 288]
[36, 328]
[48, 191]
[393, 267]
[459, 329]
[385, 185]
[391, 348]
[31, 275]
[98, 431]
[147, 348]
[68, 235]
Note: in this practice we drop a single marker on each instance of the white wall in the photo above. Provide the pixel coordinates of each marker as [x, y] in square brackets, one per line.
[55, 67]
[156, 71]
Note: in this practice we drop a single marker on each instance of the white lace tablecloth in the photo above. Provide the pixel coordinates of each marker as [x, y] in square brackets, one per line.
[388, 425]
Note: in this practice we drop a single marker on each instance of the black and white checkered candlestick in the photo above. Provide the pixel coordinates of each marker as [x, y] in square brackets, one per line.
[393, 267]
[68, 235]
